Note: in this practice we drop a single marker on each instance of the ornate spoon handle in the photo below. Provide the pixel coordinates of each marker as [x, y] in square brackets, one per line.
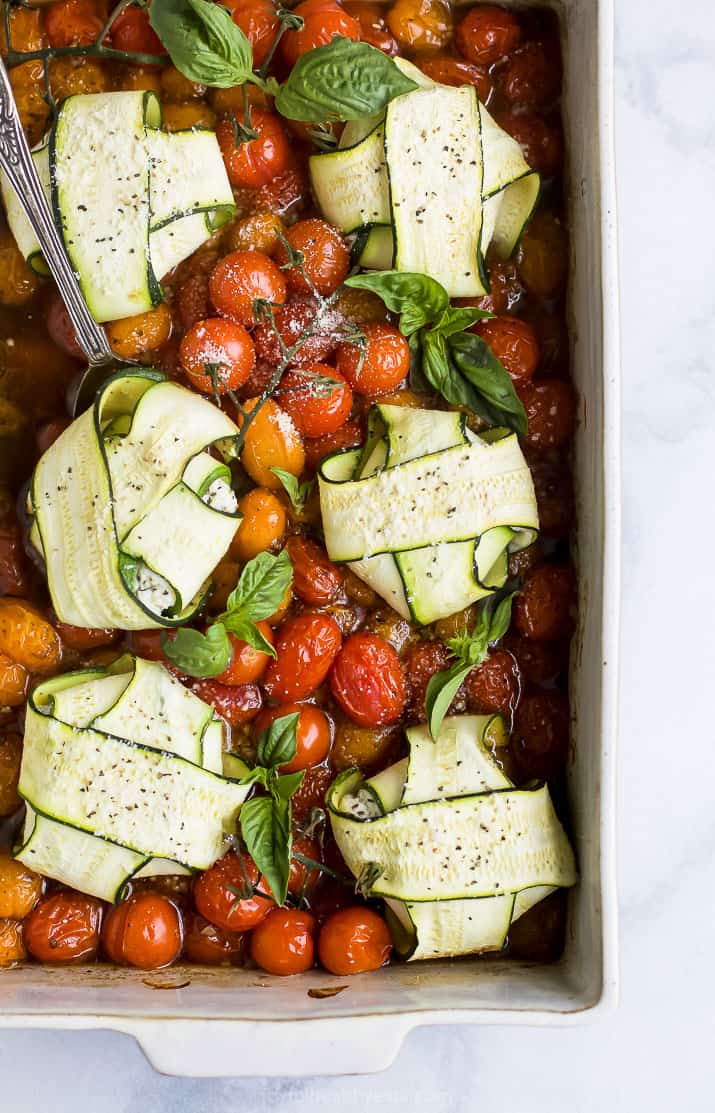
[16, 160]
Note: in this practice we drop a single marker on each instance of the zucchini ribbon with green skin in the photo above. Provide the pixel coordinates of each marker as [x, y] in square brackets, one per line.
[443, 836]
[427, 512]
[121, 505]
[123, 775]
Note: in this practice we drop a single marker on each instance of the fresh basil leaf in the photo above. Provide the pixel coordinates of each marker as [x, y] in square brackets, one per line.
[266, 831]
[458, 318]
[297, 492]
[248, 632]
[289, 783]
[343, 80]
[197, 654]
[203, 42]
[480, 367]
[261, 586]
[440, 372]
[276, 746]
[441, 690]
[259, 775]
[418, 299]
[501, 619]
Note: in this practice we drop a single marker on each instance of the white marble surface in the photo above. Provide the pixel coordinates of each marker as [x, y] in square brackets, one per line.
[657, 1049]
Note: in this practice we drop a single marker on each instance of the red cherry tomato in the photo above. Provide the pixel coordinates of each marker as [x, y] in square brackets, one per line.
[354, 940]
[316, 407]
[373, 26]
[82, 639]
[316, 580]
[283, 942]
[247, 664]
[311, 793]
[551, 412]
[303, 878]
[446, 70]
[313, 733]
[348, 435]
[217, 353]
[72, 22]
[420, 663]
[514, 342]
[60, 328]
[209, 945]
[532, 76]
[147, 644]
[543, 610]
[553, 487]
[259, 23]
[241, 278]
[291, 321]
[131, 31]
[326, 259]
[493, 687]
[64, 928]
[377, 366]
[144, 930]
[255, 162]
[367, 680]
[540, 738]
[487, 33]
[231, 894]
[306, 647]
[541, 141]
[322, 21]
[237, 705]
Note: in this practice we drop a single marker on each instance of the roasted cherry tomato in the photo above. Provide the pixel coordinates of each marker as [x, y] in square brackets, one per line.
[354, 940]
[144, 930]
[316, 406]
[292, 322]
[446, 70]
[217, 355]
[541, 140]
[14, 678]
[83, 639]
[258, 231]
[543, 254]
[311, 793]
[306, 647]
[13, 573]
[505, 288]
[252, 163]
[378, 364]
[303, 877]
[316, 580]
[241, 278]
[237, 705]
[373, 26]
[514, 343]
[487, 33]
[283, 942]
[322, 21]
[231, 894]
[540, 738]
[324, 254]
[12, 947]
[493, 687]
[551, 412]
[131, 31]
[73, 22]
[287, 193]
[313, 733]
[259, 22]
[348, 435]
[369, 747]
[27, 637]
[539, 662]
[247, 664]
[64, 928]
[20, 888]
[421, 662]
[263, 524]
[532, 76]
[554, 496]
[271, 441]
[422, 25]
[543, 610]
[147, 644]
[209, 945]
[132, 337]
[10, 758]
[60, 328]
[367, 680]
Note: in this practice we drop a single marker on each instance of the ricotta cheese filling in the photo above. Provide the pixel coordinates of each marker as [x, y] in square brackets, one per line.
[221, 497]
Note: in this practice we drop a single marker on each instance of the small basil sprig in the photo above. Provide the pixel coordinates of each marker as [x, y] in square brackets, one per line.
[297, 492]
[203, 42]
[266, 820]
[343, 80]
[257, 595]
[469, 649]
[457, 364]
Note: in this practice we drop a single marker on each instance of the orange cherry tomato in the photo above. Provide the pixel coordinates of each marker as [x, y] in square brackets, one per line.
[283, 942]
[326, 259]
[367, 680]
[322, 21]
[303, 878]
[144, 930]
[20, 888]
[543, 254]
[209, 945]
[72, 22]
[259, 22]
[247, 664]
[271, 441]
[316, 407]
[83, 639]
[354, 940]
[236, 704]
[378, 365]
[263, 524]
[421, 24]
[13, 682]
[27, 637]
[241, 278]
[231, 894]
[313, 733]
[64, 928]
[131, 31]
[487, 33]
[551, 411]
[544, 608]
[373, 26]
[10, 759]
[447, 70]
[12, 947]
[514, 342]
[255, 162]
[306, 647]
[316, 580]
[217, 352]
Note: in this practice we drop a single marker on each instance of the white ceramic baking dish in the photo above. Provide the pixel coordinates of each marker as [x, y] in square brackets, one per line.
[242, 1022]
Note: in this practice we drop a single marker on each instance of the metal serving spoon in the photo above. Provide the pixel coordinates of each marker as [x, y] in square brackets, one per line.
[16, 160]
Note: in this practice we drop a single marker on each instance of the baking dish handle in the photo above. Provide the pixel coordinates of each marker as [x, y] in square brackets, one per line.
[226, 1048]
